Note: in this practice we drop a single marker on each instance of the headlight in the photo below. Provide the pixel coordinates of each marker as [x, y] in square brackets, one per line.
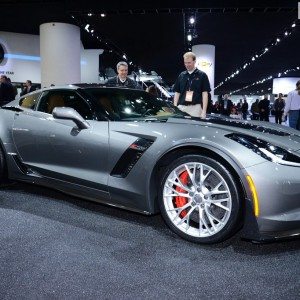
[266, 150]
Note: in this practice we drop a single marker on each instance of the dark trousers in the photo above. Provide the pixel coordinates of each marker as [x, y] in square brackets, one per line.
[264, 117]
[278, 117]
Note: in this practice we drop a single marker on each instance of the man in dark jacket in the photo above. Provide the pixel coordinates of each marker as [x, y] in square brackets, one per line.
[7, 93]
[225, 105]
[264, 109]
[279, 105]
[28, 88]
[245, 107]
[122, 80]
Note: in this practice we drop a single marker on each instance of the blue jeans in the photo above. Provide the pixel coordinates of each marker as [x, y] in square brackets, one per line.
[294, 119]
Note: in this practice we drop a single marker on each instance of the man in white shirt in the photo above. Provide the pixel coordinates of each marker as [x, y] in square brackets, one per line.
[292, 107]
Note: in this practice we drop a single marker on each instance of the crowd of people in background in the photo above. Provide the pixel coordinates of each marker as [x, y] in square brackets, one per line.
[192, 95]
[9, 91]
[259, 109]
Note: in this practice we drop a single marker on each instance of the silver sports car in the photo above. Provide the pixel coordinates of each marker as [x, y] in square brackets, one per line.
[208, 178]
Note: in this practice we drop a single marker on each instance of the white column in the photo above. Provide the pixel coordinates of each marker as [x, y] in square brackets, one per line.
[206, 62]
[60, 54]
[90, 65]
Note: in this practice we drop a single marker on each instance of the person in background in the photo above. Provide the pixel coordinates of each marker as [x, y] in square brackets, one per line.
[292, 107]
[245, 107]
[279, 105]
[7, 93]
[122, 79]
[14, 88]
[255, 110]
[151, 89]
[209, 104]
[225, 106]
[28, 88]
[264, 109]
[239, 106]
[191, 88]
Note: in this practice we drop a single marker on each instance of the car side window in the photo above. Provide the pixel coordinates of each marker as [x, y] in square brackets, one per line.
[60, 98]
[29, 101]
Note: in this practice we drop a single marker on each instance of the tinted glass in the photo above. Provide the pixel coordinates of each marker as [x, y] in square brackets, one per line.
[123, 104]
[29, 101]
[65, 98]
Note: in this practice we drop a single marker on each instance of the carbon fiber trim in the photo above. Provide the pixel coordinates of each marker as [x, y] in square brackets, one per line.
[130, 157]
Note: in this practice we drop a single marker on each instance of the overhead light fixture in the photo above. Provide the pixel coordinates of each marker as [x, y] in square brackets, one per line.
[90, 14]
[286, 33]
[294, 25]
[189, 37]
[266, 49]
[192, 20]
[92, 30]
[253, 58]
[279, 74]
[124, 56]
[87, 27]
[278, 40]
[102, 15]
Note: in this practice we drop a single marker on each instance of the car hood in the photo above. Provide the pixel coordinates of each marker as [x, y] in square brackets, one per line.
[275, 134]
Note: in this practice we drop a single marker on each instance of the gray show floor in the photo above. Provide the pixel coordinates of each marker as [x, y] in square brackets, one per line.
[58, 247]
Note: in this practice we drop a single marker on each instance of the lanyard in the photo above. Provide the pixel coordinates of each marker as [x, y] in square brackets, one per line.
[190, 81]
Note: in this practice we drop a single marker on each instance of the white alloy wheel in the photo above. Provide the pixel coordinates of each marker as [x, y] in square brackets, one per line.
[200, 199]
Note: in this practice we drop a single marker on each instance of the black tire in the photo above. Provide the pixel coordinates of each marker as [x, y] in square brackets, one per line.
[3, 171]
[203, 199]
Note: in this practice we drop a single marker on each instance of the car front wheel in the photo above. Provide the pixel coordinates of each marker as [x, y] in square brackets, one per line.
[199, 199]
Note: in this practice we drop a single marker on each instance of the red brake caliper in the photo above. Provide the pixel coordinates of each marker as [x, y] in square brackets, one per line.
[179, 200]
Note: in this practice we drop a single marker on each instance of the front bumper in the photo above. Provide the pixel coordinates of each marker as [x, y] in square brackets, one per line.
[278, 189]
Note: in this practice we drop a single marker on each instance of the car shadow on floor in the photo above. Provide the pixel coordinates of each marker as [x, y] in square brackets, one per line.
[55, 205]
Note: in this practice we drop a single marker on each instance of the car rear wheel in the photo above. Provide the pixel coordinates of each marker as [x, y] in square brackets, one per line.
[199, 199]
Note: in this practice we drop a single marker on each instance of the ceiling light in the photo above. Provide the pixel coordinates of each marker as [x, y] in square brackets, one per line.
[192, 20]
[286, 33]
[253, 58]
[294, 25]
[90, 14]
[102, 15]
[279, 74]
[124, 56]
[278, 40]
[92, 30]
[87, 27]
[189, 37]
[266, 49]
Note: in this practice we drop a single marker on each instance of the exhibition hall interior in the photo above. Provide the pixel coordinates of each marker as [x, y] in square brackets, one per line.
[149, 149]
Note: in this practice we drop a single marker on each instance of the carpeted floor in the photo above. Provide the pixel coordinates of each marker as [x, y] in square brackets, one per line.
[53, 246]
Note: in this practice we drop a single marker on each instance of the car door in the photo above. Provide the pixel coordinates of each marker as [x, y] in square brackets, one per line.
[57, 148]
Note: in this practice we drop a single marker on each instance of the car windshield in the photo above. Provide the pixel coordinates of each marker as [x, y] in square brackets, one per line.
[126, 104]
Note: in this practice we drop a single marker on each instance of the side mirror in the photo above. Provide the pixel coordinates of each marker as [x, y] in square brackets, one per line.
[68, 113]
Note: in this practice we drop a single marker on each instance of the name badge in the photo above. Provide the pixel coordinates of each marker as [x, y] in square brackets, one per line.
[189, 96]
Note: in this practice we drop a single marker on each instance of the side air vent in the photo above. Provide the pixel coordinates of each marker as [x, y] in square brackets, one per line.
[130, 157]
[19, 163]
